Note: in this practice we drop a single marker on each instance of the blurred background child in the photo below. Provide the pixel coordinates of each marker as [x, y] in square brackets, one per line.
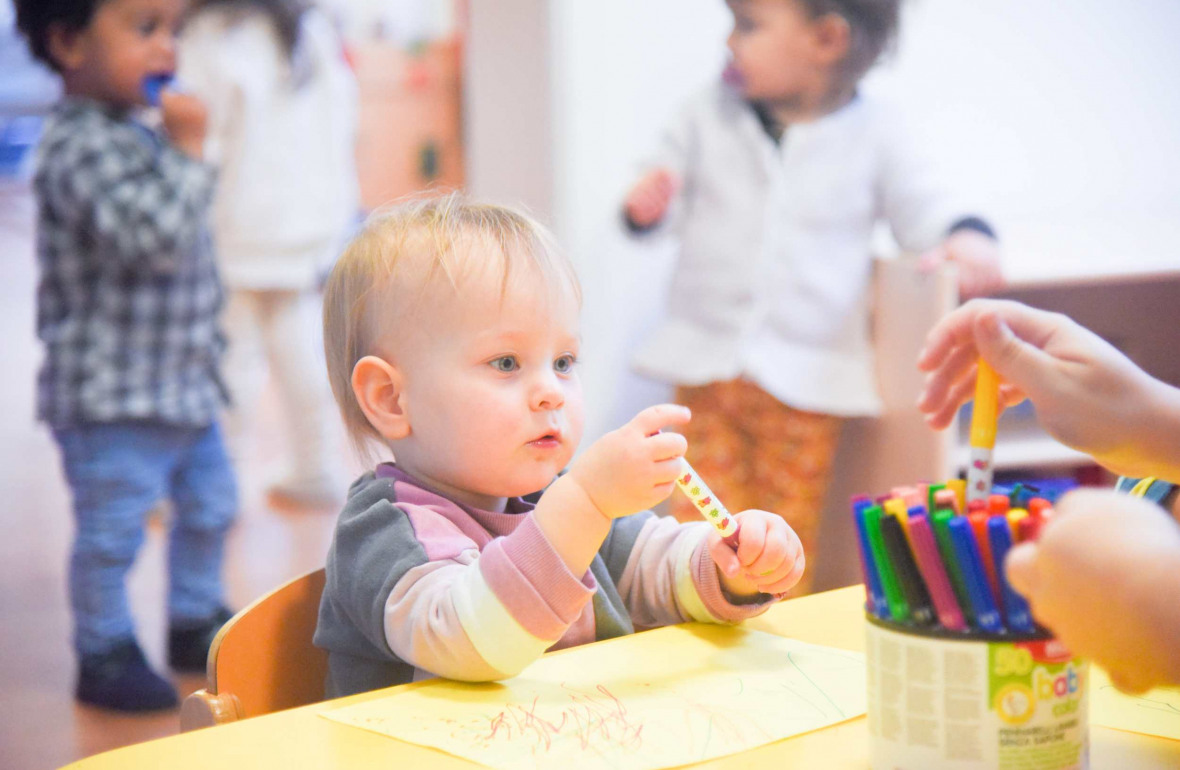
[773, 181]
[127, 306]
[282, 123]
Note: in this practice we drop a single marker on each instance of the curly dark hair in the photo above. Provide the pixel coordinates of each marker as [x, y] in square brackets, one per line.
[285, 15]
[873, 25]
[34, 18]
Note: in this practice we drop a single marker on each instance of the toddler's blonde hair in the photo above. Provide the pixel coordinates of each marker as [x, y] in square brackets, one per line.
[403, 248]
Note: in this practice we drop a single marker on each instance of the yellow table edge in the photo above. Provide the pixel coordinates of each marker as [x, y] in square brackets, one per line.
[301, 738]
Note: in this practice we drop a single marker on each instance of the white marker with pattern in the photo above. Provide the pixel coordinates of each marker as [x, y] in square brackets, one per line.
[708, 505]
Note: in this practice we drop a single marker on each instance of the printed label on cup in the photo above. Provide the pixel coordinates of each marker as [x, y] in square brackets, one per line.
[971, 704]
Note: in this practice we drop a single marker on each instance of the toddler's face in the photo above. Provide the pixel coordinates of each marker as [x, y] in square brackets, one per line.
[773, 52]
[491, 388]
[127, 41]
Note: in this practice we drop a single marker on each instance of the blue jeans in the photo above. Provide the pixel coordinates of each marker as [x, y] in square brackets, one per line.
[117, 472]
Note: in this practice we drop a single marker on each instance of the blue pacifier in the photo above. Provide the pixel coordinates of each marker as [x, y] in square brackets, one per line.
[153, 86]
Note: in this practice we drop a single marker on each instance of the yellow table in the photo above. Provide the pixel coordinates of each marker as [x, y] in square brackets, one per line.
[300, 738]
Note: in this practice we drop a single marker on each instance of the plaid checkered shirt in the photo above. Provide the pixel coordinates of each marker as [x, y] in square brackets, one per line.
[128, 296]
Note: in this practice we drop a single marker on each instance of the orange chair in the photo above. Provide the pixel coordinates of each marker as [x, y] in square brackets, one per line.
[263, 660]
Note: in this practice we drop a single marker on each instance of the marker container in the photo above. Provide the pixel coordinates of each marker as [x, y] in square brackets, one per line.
[974, 701]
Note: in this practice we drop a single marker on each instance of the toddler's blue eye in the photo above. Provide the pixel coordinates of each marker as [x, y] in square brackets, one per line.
[565, 364]
[506, 364]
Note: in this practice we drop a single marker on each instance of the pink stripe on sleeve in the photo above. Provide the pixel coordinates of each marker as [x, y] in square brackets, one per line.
[532, 582]
[708, 585]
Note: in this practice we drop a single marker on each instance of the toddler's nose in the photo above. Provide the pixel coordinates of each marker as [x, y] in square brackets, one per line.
[547, 393]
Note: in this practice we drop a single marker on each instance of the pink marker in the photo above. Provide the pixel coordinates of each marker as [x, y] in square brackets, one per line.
[930, 563]
[708, 505]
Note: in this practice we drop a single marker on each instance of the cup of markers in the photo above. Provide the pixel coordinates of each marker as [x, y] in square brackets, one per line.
[959, 673]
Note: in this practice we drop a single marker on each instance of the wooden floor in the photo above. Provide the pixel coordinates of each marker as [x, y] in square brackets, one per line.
[40, 724]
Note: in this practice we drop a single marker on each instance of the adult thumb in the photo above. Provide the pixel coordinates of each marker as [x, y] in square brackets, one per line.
[1016, 361]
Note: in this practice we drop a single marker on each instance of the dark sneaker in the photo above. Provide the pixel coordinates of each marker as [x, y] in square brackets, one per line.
[188, 643]
[121, 679]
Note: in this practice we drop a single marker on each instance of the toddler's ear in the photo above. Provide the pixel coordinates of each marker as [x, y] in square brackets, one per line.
[832, 37]
[377, 387]
[66, 46]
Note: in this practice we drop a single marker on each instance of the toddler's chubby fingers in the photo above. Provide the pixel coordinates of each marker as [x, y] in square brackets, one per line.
[792, 578]
[667, 446]
[665, 187]
[751, 538]
[651, 420]
[782, 552]
[931, 259]
[776, 559]
[723, 556]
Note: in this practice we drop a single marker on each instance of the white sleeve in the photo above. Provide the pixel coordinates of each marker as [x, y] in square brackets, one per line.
[915, 197]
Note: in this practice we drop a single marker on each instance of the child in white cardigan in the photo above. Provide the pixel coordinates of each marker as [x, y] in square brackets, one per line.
[773, 181]
[282, 109]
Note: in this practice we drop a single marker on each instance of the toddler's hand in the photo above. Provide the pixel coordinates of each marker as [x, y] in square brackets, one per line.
[769, 557]
[185, 120]
[1103, 577]
[633, 468]
[648, 200]
[977, 257]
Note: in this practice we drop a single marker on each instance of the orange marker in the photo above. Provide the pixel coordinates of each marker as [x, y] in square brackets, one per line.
[979, 527]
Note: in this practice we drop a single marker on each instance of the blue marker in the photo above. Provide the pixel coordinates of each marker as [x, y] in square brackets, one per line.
[1016, 611]
[878, 605]
[153, 86]
[987, 617]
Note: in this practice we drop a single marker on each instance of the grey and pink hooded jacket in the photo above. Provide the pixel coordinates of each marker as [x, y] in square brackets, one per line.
[420, 586]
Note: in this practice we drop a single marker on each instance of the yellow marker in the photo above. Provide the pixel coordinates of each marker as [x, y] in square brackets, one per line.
[984, 413]
[959, 487]
[896, 506]
[1014, 517]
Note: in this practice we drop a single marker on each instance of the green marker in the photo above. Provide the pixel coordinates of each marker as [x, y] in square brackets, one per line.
[899, 609]
[942, 534]
[930, 495]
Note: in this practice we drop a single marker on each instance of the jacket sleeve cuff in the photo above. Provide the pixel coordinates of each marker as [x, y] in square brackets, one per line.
[519, 566]
[713, 597]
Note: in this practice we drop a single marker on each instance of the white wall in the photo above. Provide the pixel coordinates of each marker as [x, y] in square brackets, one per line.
[622, 69]
[508, 105]
[1056, 115]
[1048, 109]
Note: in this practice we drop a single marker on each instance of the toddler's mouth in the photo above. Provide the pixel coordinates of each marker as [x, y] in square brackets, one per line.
[732, 76]
[551, 439]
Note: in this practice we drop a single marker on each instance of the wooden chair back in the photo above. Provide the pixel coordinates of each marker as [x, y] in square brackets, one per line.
[263, 660]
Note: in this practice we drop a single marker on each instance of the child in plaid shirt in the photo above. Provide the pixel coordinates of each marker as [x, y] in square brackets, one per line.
[127, 308]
